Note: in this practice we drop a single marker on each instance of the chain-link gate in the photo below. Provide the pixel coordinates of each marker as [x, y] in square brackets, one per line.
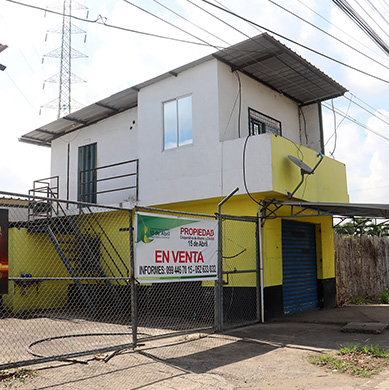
[170, 308]
[240, 271]
[70, 291]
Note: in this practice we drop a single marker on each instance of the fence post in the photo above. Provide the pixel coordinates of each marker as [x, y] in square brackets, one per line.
[219, 282]
[134, 296]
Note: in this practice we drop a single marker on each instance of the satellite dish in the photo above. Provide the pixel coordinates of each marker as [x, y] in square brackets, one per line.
[305, 169]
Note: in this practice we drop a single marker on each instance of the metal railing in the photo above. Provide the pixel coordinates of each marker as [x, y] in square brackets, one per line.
[47, 188]
[89, 178]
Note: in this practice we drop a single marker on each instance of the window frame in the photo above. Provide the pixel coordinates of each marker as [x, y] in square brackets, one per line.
[263, 121]
[87, 182]
[179, 130]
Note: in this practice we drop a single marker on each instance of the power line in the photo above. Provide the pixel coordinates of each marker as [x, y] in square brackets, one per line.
[102, 21]
[21, 92]
[342, 31]
[358, 20]
[190, 22]
[328, 34]
[368, 105]
[378, 12]
[171, 24]
[297, 43]
[159, 18]
[254, 59]
[365, 109]
[371, 18]
[351, 119]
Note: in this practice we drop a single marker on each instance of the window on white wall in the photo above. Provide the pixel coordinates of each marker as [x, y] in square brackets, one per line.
[260, 123]
[177, 122]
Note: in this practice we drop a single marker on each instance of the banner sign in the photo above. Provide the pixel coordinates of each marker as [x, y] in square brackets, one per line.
[3, 251]
[170, 249]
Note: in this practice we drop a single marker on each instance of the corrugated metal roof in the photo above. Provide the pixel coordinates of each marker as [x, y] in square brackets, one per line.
[262, 58]
[361, 210]
[277, 66]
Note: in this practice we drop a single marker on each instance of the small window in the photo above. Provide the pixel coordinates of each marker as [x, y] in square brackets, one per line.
[177, 122]
[261, 123]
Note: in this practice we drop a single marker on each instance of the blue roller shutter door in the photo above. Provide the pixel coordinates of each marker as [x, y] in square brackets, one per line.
[299, 267]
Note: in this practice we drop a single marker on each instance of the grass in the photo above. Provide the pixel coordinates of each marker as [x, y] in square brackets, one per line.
[11, 377]
[356, 360]
[380, 298]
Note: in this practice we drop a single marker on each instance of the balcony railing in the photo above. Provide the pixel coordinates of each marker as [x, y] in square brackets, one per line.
[90, 180]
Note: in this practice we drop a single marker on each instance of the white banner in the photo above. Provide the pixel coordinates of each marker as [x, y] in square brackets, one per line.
[172, 249]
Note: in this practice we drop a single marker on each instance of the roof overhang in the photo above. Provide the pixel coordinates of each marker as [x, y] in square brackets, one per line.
[275, 65]
[349, 210]
[262, 58]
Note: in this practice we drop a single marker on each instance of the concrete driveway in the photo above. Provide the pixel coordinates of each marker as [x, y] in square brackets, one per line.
[261, 356]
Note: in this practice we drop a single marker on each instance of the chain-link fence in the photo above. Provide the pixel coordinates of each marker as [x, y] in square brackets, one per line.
[241, 276]
[178, 306]
[70, 291]
[69, 286]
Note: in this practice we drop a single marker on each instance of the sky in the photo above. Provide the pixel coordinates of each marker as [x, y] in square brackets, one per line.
[118, 59]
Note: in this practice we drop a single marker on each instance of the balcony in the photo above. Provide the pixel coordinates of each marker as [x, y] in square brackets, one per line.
[270, 173]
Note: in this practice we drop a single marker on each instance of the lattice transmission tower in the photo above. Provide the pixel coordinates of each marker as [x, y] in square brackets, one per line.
[65, 78]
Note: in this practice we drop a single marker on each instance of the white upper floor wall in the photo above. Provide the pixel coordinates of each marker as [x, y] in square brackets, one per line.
[209, 166]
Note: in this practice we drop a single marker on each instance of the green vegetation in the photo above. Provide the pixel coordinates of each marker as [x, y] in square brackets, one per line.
[362, 226]
[11, 377]
[357, 360]
[380, 298]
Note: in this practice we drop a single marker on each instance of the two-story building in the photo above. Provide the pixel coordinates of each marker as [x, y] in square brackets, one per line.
[185, 139]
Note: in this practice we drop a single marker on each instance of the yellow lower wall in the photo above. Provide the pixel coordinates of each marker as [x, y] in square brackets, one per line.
[34, 253]
[271, 237]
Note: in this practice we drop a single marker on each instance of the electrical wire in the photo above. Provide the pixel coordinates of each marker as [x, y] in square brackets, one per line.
[270, 51]
[102, 21]
[171, 24]
[328, 34]
[286, 64]
[190, 22]
[346, 116]
[346, 8]
[335, 134]
[299, 44]
[159, 18]
[301, 112]
[373, 19]
[244, 169]
[19, 89]
[368, 111]
[342, 31]
[378, 12]
[240, 101]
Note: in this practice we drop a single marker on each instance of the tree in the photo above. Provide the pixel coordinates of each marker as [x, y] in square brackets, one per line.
[363, 226]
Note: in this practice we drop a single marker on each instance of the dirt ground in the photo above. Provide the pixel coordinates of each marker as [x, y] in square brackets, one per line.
[262, 356]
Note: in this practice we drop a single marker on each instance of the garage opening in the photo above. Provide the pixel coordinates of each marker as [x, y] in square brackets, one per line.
[299, 267]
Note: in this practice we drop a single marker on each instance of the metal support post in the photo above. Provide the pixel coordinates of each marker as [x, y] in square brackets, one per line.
[134, 296]
[219, 282]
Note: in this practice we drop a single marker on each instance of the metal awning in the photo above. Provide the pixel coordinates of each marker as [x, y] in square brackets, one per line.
[275, 65]
[262, 58]
[350, 210]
